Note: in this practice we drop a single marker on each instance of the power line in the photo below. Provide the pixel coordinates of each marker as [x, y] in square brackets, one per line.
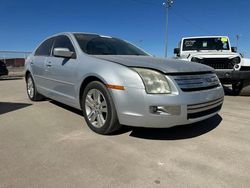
[189, 21]
[168, 4]
[174, 12]
[245, 37]
[145, 2]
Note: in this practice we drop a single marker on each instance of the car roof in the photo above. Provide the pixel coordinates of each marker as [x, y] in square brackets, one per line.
[84, 33]
[219, 36]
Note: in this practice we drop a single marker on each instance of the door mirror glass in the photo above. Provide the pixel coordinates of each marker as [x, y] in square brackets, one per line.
[62, 52]
[177, 51]
[234, 49]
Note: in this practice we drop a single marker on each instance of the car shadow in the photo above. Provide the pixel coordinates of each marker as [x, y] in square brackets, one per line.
[228, 91]
[123, 130]
[66, 107]
[178, 132]
[6, 107]
[10, 78]
[174, 133]
[244, 92]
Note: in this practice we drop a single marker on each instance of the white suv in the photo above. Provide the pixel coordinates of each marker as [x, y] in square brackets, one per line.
[216, 52]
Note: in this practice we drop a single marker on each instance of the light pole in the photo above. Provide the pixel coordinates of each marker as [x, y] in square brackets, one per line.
[168, 4]
[237, 40]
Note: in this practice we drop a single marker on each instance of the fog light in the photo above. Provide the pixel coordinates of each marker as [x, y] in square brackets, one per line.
[227, 75]
[237, 67]
[153, 109]
[165, 110]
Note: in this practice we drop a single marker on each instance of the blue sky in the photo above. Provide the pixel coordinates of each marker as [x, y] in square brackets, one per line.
[25, 23]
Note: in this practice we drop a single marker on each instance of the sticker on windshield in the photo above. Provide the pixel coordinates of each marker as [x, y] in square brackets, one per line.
[189, 43]
[204, 44]
[224, 39]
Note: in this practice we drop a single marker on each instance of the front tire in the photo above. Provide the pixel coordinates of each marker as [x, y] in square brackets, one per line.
[237, 87]
[99, 109]
[31, 89]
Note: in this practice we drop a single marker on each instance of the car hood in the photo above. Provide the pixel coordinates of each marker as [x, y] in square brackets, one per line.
[161, 64]
[211, 54]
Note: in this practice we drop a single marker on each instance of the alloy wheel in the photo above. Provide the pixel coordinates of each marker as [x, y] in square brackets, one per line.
[30, 87]
[96, 108]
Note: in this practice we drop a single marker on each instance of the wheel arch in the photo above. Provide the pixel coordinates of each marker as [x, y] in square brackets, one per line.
[86, 81]
[27, 73]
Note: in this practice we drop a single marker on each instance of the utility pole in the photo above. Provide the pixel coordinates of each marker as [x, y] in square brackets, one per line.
[168, 4]
[237, 40]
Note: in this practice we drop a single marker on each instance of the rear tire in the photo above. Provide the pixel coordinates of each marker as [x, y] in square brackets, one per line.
[237, 87]
[31, 89]
[245, 89]
[99, 109]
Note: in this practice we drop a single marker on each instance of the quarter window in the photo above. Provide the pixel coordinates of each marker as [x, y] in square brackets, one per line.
[45, 48]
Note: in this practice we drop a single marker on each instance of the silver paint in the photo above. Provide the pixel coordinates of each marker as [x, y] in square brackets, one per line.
[61, 80]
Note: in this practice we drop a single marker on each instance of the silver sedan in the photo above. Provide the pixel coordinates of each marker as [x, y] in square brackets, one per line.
[115, 83]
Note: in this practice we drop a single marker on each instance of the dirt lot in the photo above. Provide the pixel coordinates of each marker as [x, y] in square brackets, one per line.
[16, 71]
[47, 144]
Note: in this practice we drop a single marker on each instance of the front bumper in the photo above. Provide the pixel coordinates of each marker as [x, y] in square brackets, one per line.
[133, 107]
[229, 76]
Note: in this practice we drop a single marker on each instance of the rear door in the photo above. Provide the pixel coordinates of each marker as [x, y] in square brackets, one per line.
[61, 72]
[38, 63]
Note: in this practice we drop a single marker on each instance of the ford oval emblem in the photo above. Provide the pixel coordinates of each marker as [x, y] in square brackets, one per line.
[209, 80]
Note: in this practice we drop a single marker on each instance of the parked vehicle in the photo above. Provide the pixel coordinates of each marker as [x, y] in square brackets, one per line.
[216, 51]
[115, 83]
[3, 69]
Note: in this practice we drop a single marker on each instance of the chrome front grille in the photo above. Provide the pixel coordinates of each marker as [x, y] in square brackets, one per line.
[189, 83]
[204, 109]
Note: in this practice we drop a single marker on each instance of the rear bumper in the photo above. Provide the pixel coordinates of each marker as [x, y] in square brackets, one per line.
[228, 76]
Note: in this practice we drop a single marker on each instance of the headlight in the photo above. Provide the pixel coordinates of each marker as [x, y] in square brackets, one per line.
[155, 82]
[236, 60]
[195, 59]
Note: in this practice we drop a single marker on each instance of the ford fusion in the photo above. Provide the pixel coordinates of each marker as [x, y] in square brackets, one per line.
[115, 83]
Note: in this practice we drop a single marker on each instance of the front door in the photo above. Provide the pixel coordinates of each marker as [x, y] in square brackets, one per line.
[61, 73]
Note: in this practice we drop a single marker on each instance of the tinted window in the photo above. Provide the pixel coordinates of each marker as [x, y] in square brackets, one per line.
[99, 45]
[45, 48]
[64, 42]
[2, 64]
[220, 43]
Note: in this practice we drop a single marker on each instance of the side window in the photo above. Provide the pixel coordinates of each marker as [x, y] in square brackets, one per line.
[64, 42]
[45, 48]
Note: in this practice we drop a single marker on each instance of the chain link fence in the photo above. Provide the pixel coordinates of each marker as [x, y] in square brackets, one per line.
[14, 61]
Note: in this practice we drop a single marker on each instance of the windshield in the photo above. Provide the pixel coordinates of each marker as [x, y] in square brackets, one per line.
[101, 45]
[197, 44]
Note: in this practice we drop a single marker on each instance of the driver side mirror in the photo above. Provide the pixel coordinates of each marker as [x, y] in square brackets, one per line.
[234, 49]
[62, 52]
[177, 51]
